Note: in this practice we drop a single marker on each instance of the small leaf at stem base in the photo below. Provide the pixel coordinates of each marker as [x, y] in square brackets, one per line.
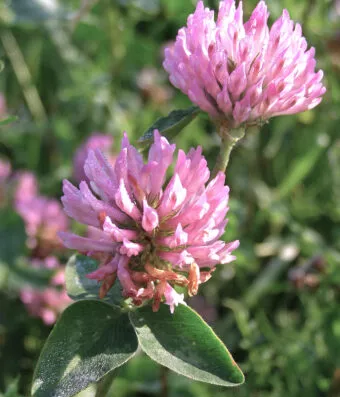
[170, 125]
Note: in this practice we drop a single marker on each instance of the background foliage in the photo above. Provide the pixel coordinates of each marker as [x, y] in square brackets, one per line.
[75, 67]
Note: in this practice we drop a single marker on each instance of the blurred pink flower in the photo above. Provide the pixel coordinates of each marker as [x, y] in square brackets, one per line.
[50, 262]
[27, 187]
[244, 72]
[5, 170]
[43, 216]
[151, 83]
[95, 141]
[51, 301]
[151, 234]
[3, 106]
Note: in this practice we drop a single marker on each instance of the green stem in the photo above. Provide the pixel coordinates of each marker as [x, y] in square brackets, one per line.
[164, 381]
[104, 385]
[228, 140]
[85, 8]
[24, 76]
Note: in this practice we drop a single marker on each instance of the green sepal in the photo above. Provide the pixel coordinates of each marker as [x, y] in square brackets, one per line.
[79, 287]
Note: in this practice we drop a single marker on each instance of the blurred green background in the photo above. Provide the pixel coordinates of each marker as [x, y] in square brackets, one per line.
[75, 67]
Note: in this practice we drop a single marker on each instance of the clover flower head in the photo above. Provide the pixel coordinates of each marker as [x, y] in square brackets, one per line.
[95, 141]
[152, 233]
[244, 73]
[43, 216]
[26, 188]
[51, 301]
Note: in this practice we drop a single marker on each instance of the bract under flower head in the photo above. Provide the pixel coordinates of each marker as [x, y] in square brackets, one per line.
[244, 72]
[149, 232]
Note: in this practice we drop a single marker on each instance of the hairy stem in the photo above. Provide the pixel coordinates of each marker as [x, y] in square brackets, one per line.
[228, 140]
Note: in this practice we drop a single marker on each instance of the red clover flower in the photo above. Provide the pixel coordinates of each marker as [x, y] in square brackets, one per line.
[244, 73]
[150, 233]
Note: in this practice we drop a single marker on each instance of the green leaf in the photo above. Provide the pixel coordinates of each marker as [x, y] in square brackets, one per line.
[15, 269]
[12, 390]
[184, 343]
[170, 125]
[8, 120]
[300, 168]
[91, 339]
[12, 236]
[22, 273]
[79, 287]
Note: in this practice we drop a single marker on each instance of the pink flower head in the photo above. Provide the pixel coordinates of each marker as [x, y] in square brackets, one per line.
[150, 232]
[244, 72]
[27, 186]
[51, 301]
[43, 216]
[95, 141]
